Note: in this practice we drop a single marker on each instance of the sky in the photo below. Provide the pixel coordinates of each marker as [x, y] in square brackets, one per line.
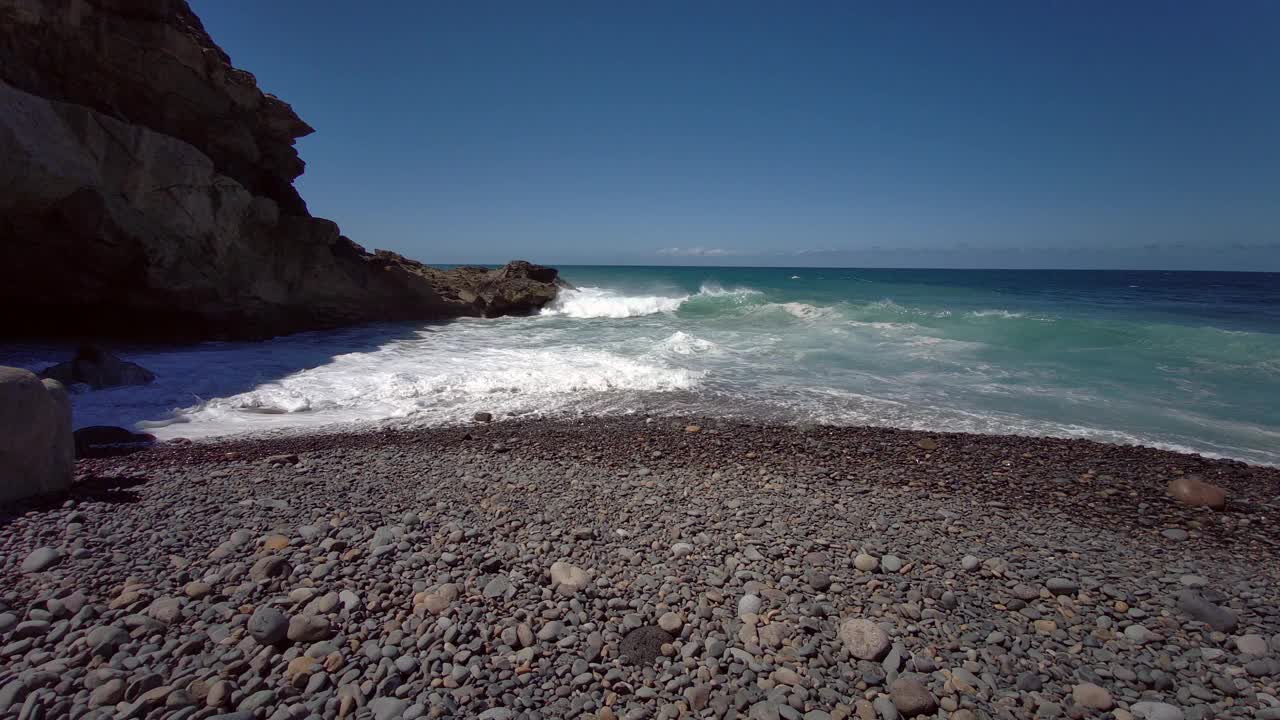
[895, 134]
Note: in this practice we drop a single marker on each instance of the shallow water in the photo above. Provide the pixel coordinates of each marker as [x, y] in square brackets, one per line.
[1178, 360]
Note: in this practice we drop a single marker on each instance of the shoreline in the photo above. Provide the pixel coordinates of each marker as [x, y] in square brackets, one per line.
[503, 570]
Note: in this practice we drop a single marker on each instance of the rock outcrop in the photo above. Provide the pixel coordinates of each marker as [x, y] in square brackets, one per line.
[37, 452]
[147, 191]
[98, 369]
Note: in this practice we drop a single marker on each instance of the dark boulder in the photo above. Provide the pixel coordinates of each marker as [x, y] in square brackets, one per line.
[99, 441]
[98, 369]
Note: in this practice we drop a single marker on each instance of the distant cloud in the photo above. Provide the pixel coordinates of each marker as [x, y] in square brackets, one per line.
[698, 252]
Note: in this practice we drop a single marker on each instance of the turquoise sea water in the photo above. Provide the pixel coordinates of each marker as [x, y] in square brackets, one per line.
[1181, 360]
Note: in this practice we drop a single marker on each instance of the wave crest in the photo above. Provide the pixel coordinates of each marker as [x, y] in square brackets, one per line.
[594, 302]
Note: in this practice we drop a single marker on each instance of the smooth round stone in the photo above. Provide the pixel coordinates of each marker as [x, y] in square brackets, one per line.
[969, 563]
[749, 605]
[864, 639]
[1092, 696]
[891, 563]
[1061, 586]
[911, 697]
[865, 562]
[268, 625]
[1175, 534]
[1252, 645]
[42, 558]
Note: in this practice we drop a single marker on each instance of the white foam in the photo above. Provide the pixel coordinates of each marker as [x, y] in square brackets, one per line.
[682, 343]
[805, 311]
[1006, 314]
[594, 302]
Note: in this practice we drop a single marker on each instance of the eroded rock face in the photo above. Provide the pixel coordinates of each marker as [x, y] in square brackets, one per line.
[147, 193]
[37, 455]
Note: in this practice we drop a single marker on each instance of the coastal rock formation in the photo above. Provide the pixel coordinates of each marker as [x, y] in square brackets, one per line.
[98, 369]
[147, 192]
[36, 451]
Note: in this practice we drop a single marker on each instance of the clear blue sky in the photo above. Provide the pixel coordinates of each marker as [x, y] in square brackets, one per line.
[933, 134]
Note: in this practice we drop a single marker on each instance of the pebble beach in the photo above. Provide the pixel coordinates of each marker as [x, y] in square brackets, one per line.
[643, 568]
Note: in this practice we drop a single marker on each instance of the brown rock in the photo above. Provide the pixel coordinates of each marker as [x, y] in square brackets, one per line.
[273, 543]
[1193, 491]
[864, 639]
[911, 697]
[309, 628]
[300, 669]
[1092, 696]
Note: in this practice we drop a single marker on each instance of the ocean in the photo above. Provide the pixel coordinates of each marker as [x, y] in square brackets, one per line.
[1181, 360]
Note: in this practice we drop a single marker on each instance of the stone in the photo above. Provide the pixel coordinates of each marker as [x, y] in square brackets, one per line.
[1156, 711]
[482, 417]
[682, 550]
[927, 444]
[864, 639]
[497, 586]
[749, 604]
[1175, 534]
[1061, 586]
[569, 579]
[969, 563]
[911, 697]
[1191, 490]
[37, 450]
[1092, 696]
[644, 644]
[890, 563]
[300, 669]
[436, 601]
[1139, 635]
[98, 369]
[108, 693]
[196, 589]
[386, 708]
[309, 628]
[1252, 645]
[671, 622]
[40, 559]
[1195, 605]
[105, 640]
[268, 625]
[866, 563]
[268, 567]
[99, 441]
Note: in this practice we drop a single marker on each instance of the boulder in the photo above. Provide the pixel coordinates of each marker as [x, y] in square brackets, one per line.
[97, 441]
[37, 454]
[98, 369]
[1193, 491]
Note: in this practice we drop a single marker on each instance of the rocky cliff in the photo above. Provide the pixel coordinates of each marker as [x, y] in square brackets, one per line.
[146, 190]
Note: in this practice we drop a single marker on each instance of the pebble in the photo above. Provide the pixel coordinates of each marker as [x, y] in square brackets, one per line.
[424, 574]
[268, 625]
[40, 559]
[864, 639]
[1092, 696]
[911, 697]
